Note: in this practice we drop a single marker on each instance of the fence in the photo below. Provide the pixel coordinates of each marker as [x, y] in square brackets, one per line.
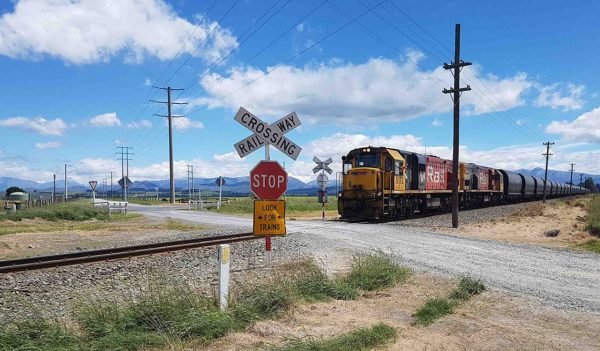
[112, 206]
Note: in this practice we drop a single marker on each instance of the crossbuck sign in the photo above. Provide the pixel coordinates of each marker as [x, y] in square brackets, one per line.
[267, 134]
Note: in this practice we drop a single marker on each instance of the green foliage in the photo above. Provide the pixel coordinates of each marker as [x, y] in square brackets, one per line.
[432, 310]
[593, 217]
[162, 314]
[13, 189]
[37, 334]
[358, 340]
[467, 287]
[69, 211]
[592, 245]
[376, 272]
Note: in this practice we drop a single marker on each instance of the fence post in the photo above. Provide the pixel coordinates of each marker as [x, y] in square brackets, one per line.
[223, 257]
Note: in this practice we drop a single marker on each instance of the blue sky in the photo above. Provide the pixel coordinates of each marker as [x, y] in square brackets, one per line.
[77, 77]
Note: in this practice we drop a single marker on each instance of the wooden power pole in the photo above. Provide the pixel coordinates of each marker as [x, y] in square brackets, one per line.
[456, 91]
[170, 117]
[547, 154]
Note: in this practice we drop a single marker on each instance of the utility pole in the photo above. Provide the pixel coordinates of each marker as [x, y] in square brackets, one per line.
[547, 154]
[170, 117]
[54, 188]
[111, 185]
[581, 179]
[66, 194]
[456, 91]
[190, 172]
[124, 157]
[571, 186]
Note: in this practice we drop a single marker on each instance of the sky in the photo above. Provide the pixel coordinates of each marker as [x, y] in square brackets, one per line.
[78, 77]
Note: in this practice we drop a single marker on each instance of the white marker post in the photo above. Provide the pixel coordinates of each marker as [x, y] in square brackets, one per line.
[223, 257]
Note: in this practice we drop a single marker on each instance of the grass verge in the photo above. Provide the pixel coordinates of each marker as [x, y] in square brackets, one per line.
[592, 245]
[436, 308]
[163, 315]
[358, 340]
[68, 211]
[295, 206]
[593, 217]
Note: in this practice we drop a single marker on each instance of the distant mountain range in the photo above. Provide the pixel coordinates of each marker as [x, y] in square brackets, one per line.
[236, 185]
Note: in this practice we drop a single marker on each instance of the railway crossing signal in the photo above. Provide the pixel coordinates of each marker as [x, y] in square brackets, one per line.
[322, 165]
[267, 134]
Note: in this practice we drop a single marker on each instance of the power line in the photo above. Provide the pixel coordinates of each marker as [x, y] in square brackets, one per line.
[124, 157]
[337, 30]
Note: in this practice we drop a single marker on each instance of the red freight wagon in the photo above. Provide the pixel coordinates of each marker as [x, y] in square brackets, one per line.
[437, 173]
[485, 179]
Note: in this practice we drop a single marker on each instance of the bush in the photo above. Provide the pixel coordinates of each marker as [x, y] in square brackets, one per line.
[467, 287]
[376, 272]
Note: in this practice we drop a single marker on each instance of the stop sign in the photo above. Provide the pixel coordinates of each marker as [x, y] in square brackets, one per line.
[268, 180]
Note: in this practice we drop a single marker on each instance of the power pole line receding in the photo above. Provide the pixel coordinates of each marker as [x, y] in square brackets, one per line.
[547, 154]
[66, 194]
[124, 157]
[170, 117]
[571, 186]
[456, 91]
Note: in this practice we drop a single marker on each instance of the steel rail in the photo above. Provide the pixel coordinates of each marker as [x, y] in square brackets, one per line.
[39, 262]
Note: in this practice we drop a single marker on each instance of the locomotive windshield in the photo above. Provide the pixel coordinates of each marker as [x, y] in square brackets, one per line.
[367, 160]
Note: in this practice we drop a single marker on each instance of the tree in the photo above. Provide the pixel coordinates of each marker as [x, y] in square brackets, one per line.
[13, 189]
[590, 185]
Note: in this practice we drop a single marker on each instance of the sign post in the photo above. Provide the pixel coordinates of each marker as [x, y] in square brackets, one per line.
[322, 166]
[93, 184]
[268, 180]
[220, 182]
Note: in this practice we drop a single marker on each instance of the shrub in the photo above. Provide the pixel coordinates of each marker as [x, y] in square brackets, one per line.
[376, 272]
[467, 287]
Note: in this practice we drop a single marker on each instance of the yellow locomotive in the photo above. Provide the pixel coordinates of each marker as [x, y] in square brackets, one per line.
[380, 182]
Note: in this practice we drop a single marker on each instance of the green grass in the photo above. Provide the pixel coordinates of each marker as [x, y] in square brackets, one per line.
[592, 245]
[436, 308]
[376, 272]
[358, 340]
[593, 217]
[69, 211]
[295, 205]
[163, 314]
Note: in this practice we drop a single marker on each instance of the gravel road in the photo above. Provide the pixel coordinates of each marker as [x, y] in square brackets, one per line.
[562, 278]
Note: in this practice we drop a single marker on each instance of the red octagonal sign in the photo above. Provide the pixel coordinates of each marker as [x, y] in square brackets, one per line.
[268, 180]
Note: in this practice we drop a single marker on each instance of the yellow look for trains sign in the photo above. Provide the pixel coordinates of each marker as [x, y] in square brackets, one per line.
[269, 217]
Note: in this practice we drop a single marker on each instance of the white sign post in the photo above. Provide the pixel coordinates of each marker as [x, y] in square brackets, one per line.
[322, 166]
[93, 184]
[223, 257]
[220, 182]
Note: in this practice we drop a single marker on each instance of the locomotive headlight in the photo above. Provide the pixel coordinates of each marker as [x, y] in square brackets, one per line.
[379, 193]
[340, 194]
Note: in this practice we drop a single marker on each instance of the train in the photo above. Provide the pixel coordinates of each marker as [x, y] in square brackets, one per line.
[387, 183]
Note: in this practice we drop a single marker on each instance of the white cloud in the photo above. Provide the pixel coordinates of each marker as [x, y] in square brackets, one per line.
[38, 125]
[89, 31]
[147, 82]
[378, 90]
[185, 123]
[437, 122]
[144, 123]
[48, 145]
[550, 96]
[106, 120]
[585, 128]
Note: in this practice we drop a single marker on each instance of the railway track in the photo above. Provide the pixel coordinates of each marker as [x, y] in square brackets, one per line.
[39, 262]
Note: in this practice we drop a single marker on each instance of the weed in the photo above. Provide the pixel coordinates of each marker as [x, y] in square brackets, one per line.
[376, 272]
[263, 300]
[312, 284]
[593, 217]
[35, 333]
[467, 287]
[358, 340]
[432, 310]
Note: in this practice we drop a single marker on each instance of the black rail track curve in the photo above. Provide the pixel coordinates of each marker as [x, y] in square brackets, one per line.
[39, 262]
